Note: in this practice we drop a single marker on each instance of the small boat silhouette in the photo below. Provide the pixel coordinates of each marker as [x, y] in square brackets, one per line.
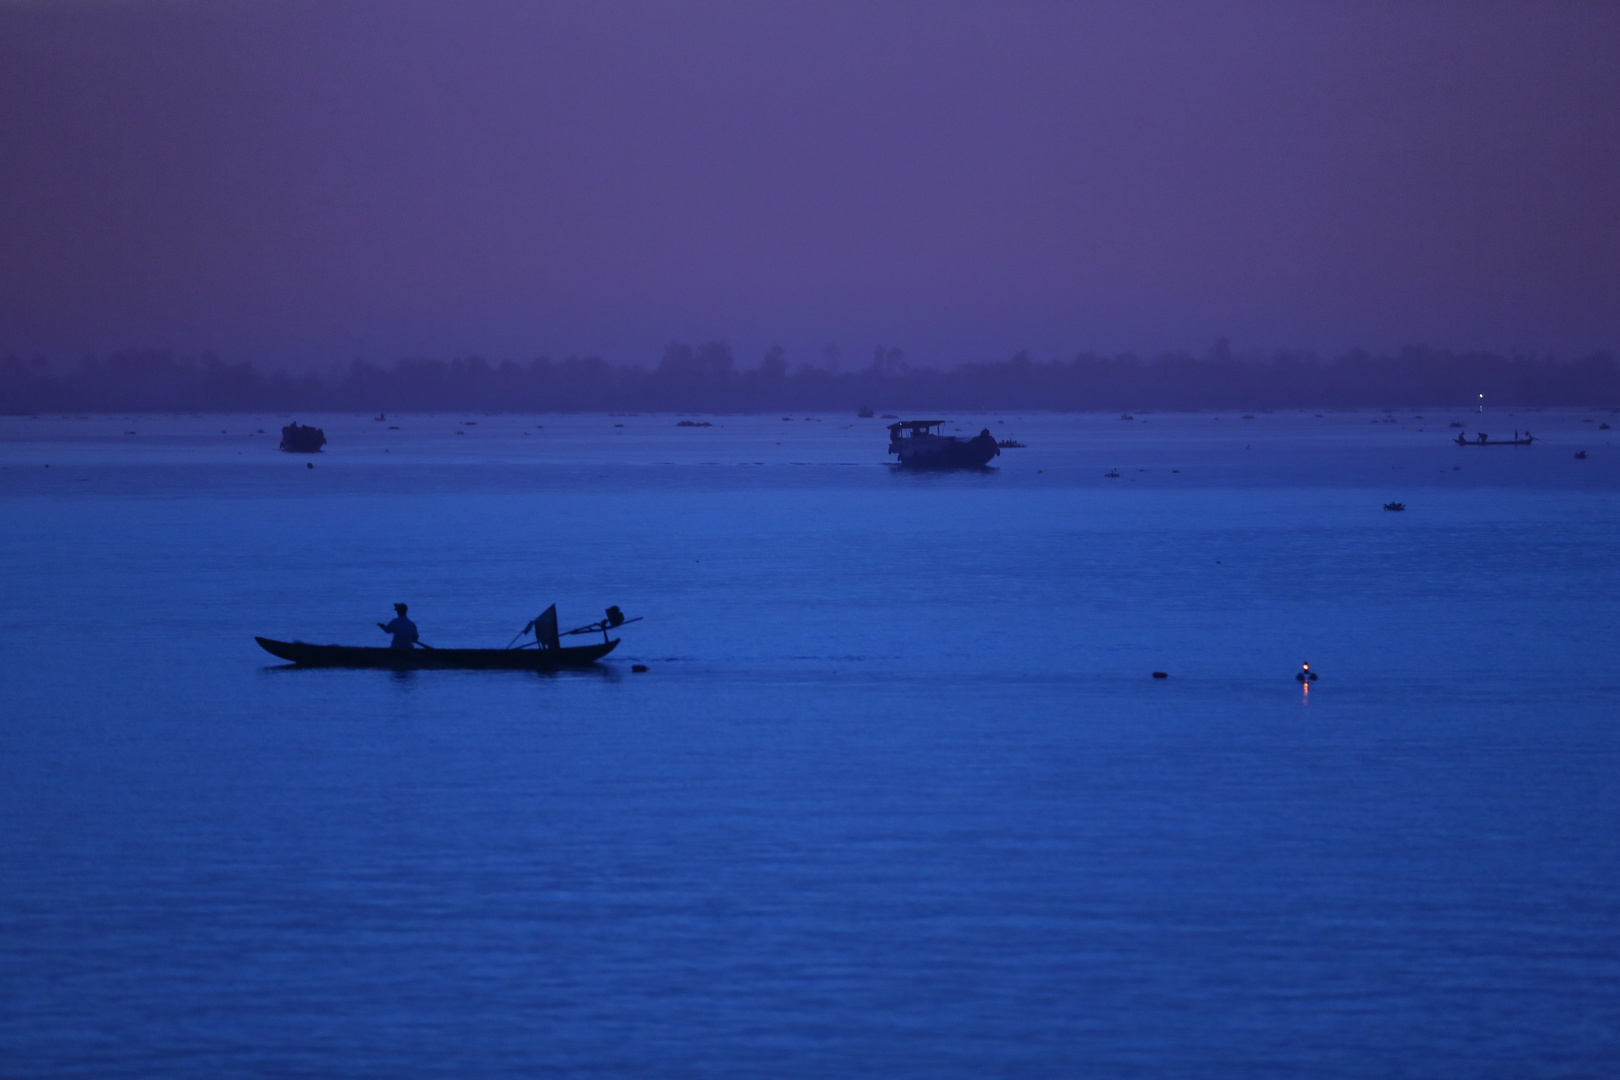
[298, 439]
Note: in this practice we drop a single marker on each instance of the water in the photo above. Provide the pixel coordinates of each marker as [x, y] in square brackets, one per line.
[896, 796]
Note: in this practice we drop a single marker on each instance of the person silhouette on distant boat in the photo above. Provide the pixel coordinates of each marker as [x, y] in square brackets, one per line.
[403, 629]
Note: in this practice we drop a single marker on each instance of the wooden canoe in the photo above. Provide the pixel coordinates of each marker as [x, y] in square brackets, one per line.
[358, 656]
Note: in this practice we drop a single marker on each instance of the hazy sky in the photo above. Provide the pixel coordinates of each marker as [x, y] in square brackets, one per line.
[309, 182]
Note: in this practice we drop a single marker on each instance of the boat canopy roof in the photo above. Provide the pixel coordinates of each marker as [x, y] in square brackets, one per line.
[915, 425]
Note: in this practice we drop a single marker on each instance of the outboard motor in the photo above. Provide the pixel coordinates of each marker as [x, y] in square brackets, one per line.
[615, 617]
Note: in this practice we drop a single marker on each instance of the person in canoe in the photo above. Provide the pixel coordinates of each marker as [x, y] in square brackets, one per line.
[403, 629]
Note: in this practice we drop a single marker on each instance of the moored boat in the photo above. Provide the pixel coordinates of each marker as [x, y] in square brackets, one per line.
[919, 445]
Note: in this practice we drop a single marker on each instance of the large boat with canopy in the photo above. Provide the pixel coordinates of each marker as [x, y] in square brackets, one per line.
[920, 445]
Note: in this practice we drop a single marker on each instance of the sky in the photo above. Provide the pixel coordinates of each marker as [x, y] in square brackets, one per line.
[301, 184]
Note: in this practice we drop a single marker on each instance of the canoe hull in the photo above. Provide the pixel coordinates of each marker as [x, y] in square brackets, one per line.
[356, 656]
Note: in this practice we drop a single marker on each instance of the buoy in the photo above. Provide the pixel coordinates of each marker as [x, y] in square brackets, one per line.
[309, 464]
[1161, 674]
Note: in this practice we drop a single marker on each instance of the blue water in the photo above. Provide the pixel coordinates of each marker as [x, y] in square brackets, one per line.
[896, 797]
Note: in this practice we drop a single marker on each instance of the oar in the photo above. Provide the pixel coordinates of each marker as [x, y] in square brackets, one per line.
[424, 645]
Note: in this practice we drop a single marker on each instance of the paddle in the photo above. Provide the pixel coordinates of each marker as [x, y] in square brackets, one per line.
[424, 645]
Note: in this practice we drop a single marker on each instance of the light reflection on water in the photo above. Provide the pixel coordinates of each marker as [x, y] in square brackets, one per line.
[897, 795]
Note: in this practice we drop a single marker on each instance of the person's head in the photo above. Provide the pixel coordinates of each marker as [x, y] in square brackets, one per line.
[400, 608]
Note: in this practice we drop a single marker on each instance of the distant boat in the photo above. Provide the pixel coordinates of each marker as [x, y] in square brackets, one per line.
[865, 414]
[1485, 440]
[544, 653]
[1011, 444]
[298, 439]
[1394, 506]
[919, 445]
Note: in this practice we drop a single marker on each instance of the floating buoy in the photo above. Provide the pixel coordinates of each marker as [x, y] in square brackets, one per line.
[1161, 674]
[309, 464]
[638, 667]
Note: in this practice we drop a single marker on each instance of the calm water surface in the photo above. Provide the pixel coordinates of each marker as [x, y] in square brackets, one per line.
[896, 796]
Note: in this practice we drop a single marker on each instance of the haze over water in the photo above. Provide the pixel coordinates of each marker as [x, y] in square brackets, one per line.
[897, 795]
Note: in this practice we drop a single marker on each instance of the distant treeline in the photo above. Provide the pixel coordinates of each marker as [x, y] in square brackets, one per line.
[707, 378]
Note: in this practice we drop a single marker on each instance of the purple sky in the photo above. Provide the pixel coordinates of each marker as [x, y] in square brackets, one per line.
[297, 183]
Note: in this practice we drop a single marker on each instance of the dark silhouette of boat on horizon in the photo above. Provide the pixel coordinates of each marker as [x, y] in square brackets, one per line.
[544, 653]
[298, 438]
[1485, 440]
[919, 445]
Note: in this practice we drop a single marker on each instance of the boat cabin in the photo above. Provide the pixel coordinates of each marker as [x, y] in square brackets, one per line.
[914, 428]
